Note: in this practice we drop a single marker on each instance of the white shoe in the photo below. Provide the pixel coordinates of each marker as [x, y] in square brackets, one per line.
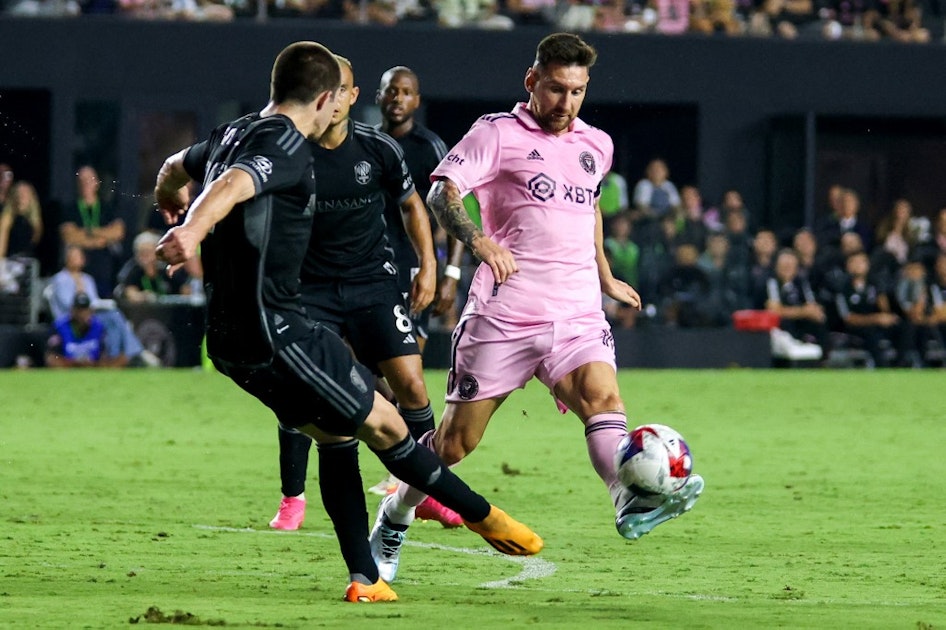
[386, 543]
[637, 516]
[384, 487]
[784, 346]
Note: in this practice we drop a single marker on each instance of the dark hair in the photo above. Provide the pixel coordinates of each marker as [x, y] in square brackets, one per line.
[566, 49]
[302, 71]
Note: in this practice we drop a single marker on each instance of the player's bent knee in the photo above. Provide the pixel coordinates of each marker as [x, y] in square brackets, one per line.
[414, 393]
[383, 428]
[453, 448]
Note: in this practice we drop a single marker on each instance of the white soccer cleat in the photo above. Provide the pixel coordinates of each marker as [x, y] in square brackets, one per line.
[386, 543]
[638, 515]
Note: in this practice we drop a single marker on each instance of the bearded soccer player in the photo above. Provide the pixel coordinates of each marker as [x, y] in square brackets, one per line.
[253, 221]
[535, 302]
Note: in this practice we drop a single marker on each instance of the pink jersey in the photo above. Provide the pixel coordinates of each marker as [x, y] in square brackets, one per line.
[537, 194]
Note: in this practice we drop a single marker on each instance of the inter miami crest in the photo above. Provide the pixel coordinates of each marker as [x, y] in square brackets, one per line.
[468, 387]
[587, 162]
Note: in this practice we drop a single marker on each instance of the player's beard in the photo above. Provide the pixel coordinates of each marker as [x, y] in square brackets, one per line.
[555, 123]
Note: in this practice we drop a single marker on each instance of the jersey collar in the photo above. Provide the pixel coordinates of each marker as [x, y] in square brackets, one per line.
[522, 112]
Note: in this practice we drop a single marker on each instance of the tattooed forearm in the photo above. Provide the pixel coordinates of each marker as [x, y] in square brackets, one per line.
[445, 202]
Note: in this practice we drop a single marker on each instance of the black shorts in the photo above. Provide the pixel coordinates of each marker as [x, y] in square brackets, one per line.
[314, 380]
[405, 278]
[371, 316]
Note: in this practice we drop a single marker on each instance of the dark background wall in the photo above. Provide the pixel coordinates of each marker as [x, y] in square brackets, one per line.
[780, 121]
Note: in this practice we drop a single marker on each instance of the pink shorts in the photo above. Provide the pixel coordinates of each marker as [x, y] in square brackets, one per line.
[491, 358]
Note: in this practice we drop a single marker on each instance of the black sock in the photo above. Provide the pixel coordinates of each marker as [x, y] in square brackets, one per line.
[344, 501]
[420, 467]
[293, 461]
[419, 421]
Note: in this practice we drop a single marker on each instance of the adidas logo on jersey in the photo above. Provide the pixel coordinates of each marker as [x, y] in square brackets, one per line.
[409, 339]
[534, 155]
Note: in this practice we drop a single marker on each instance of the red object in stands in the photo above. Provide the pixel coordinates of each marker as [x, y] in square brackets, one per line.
[763, 321]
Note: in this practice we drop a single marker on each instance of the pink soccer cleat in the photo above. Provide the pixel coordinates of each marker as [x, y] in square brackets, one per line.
[432, 510]
[290, 515]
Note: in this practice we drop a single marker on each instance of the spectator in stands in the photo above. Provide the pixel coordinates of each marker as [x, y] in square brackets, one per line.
[531, 12]
[692, 226]
[836, 262]
[685, 291]
[740, 251]
[673, 17]
[714, 16]
[761, 265]
[71, 280]
[790, 296]
[895, 231]
[902, 21]
[613, 198]
[835, 193]
[715, 218]
[811, 264]
[787, 19]
[656, 256]
[727, 281]
[865, 313]
[91, 223]
[846, 219]
[145, 279]
[6, 182]
[655, 195]
[937, 312]
[912, 302]
[21, 222]
[471, 13]
[936, 242]
[78, 339]
[624, 253]
[193, 10]
[851, 19]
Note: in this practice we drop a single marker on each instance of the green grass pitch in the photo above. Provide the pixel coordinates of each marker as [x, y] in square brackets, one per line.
[824, 508]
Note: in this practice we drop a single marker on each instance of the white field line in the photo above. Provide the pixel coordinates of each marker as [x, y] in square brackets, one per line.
[531, 568]
[535, 568]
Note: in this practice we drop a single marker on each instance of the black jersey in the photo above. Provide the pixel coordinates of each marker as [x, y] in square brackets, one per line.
[423, 151]
[861, 300]
[796, 292]
[348, 236]
[253, 256]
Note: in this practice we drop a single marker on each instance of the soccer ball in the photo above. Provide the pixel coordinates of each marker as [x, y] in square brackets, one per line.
[653, 459]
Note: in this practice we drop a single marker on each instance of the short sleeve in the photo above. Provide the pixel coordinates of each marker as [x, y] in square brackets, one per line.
[396, 178]
[474, 160]
[195, 160]
[275, 156]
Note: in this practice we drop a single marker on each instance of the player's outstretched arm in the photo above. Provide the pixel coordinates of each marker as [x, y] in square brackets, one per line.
[180, 243]
[611, 286]
[169, 191]
[446, 203]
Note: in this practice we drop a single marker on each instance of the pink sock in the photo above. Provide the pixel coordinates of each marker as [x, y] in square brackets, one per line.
[603, 431]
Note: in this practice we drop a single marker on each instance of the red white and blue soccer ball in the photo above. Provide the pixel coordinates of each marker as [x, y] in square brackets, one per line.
[653, 459]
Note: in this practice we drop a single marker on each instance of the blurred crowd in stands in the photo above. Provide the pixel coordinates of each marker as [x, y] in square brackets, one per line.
[83, 300]
[832, 288]
[837, 285]
[865, 20]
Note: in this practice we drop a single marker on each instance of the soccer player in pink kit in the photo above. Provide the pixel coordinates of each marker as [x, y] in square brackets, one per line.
[534, 307]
